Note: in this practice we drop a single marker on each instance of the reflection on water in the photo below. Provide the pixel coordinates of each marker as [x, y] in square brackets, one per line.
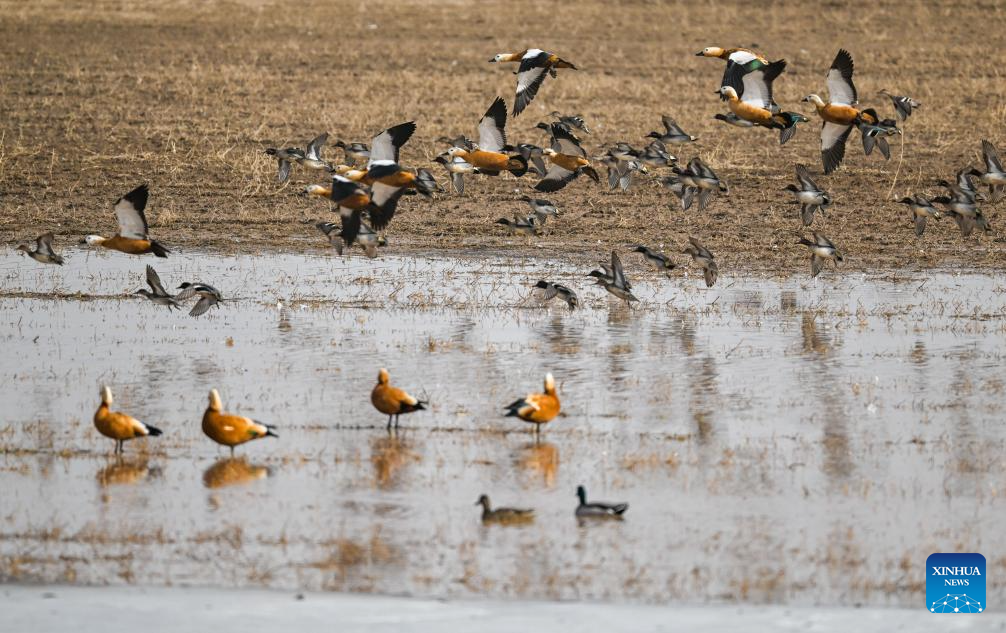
[125, 471]
[539, 461]
[762, 417]
[391, 455]
[231, 471]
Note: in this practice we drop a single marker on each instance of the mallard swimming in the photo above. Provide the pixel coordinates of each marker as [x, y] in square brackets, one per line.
[598, 509]
[503, 515]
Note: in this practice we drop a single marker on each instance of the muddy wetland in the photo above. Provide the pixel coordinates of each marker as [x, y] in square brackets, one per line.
[779, 441]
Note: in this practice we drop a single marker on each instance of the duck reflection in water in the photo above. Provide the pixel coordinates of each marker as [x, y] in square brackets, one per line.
[231, 471]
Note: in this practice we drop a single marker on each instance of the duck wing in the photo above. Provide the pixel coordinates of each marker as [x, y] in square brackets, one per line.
[492, 127]
[314, 147]
[833, 138]
[385, 146]
[129, 213]
[806, 182]
[841, 90]
[154, 281]
[44, 244]
[530, 75]
[991, 155]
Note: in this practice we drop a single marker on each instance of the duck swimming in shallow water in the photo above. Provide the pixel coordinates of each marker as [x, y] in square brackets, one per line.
[119, 426]
[132, 237]
[392, 401]
[43, 252]
[503, 515]
[537, 408]
[598, 509]
[232, 430]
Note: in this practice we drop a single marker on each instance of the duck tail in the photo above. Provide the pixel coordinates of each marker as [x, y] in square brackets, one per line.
[620, 508]
[57, 259]
[159, 249]
[153, 431]
[517, 165]
[270, 429]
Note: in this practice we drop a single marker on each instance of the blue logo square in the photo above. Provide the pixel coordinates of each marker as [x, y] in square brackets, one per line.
[955, 583]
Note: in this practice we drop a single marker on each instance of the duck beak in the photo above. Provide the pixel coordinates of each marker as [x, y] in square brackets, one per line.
[491, 61]
[700, 54]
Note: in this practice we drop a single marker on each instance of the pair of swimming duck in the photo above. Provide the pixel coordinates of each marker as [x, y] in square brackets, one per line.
[223, 428]
[584, 510]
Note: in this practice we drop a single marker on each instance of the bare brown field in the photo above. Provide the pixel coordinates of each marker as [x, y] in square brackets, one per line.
[98, 97]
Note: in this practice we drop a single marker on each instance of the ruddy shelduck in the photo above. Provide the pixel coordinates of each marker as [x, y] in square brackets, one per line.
[488, 154]
[567, 161]
[535, 64]
[117, 425]
[132, 237]
[537, 408]
[232, 430]
[393, 401]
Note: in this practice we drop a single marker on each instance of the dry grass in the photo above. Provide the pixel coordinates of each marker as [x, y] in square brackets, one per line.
[186, 95]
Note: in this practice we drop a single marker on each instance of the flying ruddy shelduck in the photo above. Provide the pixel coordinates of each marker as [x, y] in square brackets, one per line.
[132, 237]
[840, 113]
[537, 408]
[739, 61]
[232, 430]
[567, 160]
[353, 199]
[488, 154]
[119, 426]
[755, 104]
[392, 401]
[535, 64]
[43, 252]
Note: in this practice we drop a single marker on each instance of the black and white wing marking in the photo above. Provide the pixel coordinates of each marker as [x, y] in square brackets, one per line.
[833, 138]
[806, 182]
[530, 75]
[314, 147]
[758, 83]
[384, 201]
[492, 127]
[565, 142]
[154, 281]
[343, 188]
[385, 146]
[841, 90]
[129, 213]
[556, 178]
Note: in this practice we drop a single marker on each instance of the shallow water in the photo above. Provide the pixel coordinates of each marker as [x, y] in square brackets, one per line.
[779, 441]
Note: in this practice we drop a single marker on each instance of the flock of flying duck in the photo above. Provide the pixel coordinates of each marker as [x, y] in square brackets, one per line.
[368, 186]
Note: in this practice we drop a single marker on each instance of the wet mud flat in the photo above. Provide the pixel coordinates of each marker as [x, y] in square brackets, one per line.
[779, 441]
